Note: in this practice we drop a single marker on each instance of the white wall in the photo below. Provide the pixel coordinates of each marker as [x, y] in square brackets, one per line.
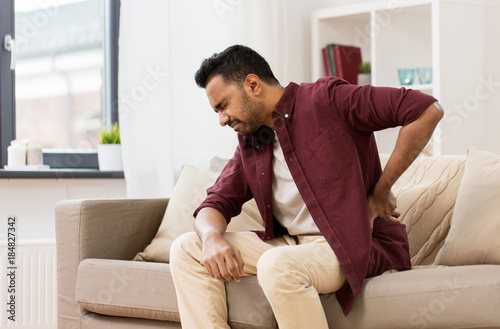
[473, 114]
[492, 74]
[33, 201]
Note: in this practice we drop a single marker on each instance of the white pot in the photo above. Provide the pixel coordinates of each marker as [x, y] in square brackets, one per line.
[364, 79]
[110, 157]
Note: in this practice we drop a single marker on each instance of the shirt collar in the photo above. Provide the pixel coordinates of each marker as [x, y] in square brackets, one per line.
[263, 136]
[285, 105]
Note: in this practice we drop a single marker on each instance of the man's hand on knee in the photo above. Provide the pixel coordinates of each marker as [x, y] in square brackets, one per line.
[221, 259]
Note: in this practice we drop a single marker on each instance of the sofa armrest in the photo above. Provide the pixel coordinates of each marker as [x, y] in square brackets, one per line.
[107, 228]
[101, 228]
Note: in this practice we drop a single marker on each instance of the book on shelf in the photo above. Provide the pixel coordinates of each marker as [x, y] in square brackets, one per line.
[342, 61]
[326, 62]
[329, 60]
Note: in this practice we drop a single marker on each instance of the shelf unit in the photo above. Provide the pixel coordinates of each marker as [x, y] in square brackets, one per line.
[459, 39]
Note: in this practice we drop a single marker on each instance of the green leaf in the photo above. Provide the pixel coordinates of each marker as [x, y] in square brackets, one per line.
[110, 135]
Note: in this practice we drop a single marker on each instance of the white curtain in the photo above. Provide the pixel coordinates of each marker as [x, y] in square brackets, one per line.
[165, 118]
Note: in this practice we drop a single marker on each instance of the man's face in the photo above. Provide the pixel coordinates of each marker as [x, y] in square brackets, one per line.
[234, 106]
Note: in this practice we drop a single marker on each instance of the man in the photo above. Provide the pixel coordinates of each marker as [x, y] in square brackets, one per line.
[308, 156]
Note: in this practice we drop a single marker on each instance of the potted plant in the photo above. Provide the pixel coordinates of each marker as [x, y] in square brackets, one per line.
[364, 75]
[109, 152]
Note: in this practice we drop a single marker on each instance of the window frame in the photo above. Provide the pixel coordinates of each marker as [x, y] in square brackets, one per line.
[72, 160]
[7, 82]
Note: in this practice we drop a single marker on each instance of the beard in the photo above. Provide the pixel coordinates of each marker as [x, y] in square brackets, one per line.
[253, 112]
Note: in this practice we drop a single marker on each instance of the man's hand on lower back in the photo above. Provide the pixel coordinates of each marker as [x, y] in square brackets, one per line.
[382, 205]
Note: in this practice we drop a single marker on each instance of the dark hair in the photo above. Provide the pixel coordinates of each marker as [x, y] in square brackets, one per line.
[233, 65]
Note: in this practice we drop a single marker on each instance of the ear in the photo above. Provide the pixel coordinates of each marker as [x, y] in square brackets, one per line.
[253, 85]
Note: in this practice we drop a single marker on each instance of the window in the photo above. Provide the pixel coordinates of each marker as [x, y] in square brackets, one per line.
[65, 77]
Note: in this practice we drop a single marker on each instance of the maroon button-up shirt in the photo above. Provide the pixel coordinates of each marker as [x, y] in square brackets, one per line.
[326, 132]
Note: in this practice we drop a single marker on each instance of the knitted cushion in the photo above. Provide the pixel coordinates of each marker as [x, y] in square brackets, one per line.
[426, 194]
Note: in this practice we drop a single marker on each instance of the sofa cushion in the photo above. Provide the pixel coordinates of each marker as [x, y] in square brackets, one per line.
[125, 288]
[146, 290]
[426, 195]
[475, 228]
[188, 193]
[217, 164]
[442, 297]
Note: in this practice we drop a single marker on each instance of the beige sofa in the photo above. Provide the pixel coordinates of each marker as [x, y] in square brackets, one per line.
[455, 283]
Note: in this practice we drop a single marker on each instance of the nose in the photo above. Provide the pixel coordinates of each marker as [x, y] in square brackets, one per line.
[223, 118]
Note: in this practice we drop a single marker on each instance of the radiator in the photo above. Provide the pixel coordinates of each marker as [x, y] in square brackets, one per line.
[35, 285]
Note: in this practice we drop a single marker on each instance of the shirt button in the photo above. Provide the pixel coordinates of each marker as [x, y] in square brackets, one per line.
[269, 206]
[286, 115]
[319, 218]
[262, 173]
[257, 146]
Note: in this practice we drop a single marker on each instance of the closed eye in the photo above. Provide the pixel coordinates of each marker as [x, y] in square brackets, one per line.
[221, 106]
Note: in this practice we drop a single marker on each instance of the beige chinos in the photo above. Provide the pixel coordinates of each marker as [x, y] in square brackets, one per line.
[292, 271]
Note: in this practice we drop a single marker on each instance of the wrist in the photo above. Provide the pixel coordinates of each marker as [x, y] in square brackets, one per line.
[381, 190]
[210, 236]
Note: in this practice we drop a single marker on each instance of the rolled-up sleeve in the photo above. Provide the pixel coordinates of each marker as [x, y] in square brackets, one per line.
[368, 108]
[230, 190]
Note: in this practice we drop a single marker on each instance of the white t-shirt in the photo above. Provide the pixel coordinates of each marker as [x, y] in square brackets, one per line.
[288, 206]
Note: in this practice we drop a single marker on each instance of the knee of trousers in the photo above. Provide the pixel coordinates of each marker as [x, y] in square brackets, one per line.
[183, 247]
[274, 267]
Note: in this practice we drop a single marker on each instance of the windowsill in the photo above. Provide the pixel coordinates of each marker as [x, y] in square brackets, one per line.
[61, 173]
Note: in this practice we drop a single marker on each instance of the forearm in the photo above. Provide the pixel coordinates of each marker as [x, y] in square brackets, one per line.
[209, 222]
[411, 140]
[222, 260]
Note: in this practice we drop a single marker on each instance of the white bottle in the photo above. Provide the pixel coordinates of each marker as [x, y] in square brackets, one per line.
[16, 153]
